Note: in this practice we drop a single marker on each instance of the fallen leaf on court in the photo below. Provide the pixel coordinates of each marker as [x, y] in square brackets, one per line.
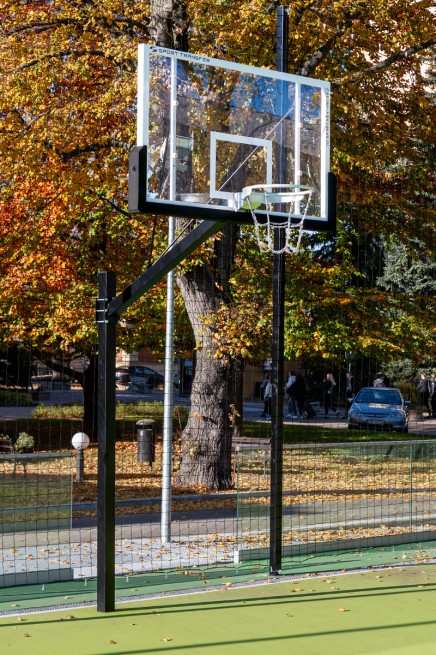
[166, 639]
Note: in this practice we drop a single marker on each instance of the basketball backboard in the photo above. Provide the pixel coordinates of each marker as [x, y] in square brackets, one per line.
[208, 128]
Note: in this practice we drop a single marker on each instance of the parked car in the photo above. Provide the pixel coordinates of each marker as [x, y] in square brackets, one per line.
[144, 377]
[122, 377]
[382, 408]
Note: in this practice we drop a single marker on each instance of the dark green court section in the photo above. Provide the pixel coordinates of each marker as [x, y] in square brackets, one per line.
[377, 612]
[56, 595]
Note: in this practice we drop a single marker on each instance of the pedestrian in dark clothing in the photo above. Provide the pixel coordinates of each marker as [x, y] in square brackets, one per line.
[298, 394]
[432, 398]
[349, 391]
[267, 394]
[424, 393]
[329, 389]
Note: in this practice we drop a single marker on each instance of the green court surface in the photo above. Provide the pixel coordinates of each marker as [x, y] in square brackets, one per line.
[386, 611]
[58, 594]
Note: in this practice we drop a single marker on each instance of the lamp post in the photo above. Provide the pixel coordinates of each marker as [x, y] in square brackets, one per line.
[80, 442]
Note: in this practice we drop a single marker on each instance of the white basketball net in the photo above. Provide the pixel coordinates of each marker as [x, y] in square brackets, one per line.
[269, 196]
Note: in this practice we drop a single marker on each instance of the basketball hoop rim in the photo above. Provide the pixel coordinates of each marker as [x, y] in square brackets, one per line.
[272, 192]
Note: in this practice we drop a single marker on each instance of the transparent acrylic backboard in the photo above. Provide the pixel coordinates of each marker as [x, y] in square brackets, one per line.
[212, 128]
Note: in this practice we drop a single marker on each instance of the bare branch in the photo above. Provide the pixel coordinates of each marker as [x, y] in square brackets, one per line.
[114, 205]
[67, 53]
[44, 26]
[316, 58]
[385, 63]
[93, 147]
[49, 360]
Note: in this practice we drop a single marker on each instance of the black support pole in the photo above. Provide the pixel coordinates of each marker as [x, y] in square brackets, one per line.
[278, 344]
[107, 326]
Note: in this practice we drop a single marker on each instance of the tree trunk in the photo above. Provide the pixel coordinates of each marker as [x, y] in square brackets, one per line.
[207, 438]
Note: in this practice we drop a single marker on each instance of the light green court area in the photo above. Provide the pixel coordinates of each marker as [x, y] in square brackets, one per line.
[388, 611]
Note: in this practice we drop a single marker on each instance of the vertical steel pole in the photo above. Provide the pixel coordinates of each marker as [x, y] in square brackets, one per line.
[278, 342]
[107, 327]
[167, 432]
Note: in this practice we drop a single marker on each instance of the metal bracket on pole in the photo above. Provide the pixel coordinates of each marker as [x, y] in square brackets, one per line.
[102, 311]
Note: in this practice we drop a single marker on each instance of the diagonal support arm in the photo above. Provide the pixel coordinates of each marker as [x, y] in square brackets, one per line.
[162, 266]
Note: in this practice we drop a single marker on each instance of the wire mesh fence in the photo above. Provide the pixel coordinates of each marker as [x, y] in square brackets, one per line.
[35, 517]
[338, 497]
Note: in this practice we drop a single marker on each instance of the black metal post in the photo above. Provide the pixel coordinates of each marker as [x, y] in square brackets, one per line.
[80, 465]
[278, 343]
[107, 326]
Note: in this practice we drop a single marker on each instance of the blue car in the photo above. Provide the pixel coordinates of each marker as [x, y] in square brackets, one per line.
[380, 408]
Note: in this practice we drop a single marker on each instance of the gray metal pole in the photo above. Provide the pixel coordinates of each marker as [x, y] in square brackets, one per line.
[167, 437]
[167, 433]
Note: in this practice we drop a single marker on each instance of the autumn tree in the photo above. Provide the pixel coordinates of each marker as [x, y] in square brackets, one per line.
[66, 126]
[67, 121]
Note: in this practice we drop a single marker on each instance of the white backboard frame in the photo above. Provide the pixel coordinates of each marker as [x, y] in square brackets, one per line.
[305, 90]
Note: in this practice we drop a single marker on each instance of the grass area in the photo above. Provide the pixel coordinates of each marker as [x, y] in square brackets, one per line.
[38, 498]
[35, 489]
[53, 428]
[308, 433]
[15, 398]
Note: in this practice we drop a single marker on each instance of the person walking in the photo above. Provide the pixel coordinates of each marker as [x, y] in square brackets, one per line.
[424, 393]
[432, 397]
[329, 385]
[298, 396]
[292, 405]
[349, 391]
[267, 396]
